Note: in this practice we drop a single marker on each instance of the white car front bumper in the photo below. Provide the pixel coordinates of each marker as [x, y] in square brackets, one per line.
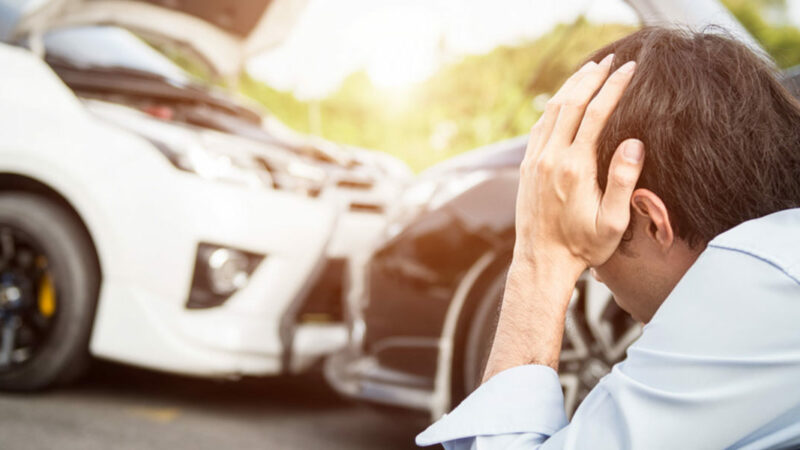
[142, 316]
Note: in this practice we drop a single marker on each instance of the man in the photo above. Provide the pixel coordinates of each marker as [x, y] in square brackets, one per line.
[670, 164]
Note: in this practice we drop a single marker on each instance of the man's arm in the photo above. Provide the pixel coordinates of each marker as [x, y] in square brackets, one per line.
[716, 367]
[564, 222]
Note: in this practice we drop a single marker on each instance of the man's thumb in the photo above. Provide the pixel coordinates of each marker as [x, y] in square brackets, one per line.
[623, 174]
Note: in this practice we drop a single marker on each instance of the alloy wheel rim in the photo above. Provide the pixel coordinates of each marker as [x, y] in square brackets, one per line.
[597, 334]
[28, 306]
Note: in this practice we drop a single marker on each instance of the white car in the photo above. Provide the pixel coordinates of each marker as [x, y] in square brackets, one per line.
[160, 244]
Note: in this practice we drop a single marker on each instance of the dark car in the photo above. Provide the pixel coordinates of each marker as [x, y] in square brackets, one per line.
[422, 309]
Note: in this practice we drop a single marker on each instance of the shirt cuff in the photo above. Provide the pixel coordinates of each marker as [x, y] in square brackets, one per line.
[524, 399]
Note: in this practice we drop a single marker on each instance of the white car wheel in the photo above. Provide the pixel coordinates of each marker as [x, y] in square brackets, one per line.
[48, 291]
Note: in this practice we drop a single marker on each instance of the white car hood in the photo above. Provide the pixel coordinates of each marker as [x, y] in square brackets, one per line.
[223, 33]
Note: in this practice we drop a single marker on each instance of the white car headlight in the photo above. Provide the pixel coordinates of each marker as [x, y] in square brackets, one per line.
[223, 166]
[244, 167]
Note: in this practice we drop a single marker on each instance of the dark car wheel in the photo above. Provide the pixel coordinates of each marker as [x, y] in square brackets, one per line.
[596, 334]
[48, 291]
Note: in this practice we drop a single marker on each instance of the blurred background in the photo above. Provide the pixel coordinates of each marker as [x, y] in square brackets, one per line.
[425, 81]
[283, 223]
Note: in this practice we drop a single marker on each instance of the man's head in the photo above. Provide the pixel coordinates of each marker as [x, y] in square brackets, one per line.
[722, 143]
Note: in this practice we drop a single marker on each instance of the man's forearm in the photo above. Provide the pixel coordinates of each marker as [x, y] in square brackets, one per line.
[564, 223]
[531, 323]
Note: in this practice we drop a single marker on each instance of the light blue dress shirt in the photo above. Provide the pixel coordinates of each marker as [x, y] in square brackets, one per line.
[718, 366]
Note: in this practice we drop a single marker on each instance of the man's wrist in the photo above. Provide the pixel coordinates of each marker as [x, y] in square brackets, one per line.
[532, 315]
[541, 283]
[546, 264]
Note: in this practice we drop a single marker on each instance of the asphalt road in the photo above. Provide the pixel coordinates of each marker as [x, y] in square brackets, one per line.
[118, 407]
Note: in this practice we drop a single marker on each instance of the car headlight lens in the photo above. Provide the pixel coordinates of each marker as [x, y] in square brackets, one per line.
[301, 177]
[428, 195]
[224, 167]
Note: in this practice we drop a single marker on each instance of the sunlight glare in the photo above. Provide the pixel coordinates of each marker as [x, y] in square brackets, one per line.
[403, 48]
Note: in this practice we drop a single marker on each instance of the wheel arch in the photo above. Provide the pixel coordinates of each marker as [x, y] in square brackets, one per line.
[473, 300]
[462, 308]
[14, 182]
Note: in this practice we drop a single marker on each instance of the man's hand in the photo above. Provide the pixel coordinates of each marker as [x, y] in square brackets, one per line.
[562, 216]
[564, 222]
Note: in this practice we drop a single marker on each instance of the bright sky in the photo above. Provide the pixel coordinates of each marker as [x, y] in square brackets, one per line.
[399, 42]
[793, 11]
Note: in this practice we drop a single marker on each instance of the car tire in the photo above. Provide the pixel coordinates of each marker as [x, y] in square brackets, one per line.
[59, 354]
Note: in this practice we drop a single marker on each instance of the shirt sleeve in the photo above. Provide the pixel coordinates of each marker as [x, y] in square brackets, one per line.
[522, 400]
[717, 367]
[523, 408]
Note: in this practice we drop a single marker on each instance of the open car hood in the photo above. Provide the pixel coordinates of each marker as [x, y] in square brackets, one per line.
[223, 33]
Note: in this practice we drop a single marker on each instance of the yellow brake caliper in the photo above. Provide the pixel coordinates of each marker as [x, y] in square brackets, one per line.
[47, 293]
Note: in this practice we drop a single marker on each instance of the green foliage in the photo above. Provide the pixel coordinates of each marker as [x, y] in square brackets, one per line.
[476, 101]
[281, 104]
[781, 41]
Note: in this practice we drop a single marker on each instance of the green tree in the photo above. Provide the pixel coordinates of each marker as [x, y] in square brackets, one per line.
[476, 101]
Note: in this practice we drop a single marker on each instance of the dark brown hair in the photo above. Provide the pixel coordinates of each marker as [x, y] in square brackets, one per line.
[721, 135]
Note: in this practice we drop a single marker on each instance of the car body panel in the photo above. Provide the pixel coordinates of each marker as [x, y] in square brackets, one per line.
[360, 184]
[224, 34]
[406, 298]
[147, 218]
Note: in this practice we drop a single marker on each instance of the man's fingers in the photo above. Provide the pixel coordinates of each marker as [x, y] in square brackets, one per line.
[599, 110]
[574, 102]
[541, 131]
[623, 173]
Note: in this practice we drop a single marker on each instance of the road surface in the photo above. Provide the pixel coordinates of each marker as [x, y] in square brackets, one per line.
[117, 407]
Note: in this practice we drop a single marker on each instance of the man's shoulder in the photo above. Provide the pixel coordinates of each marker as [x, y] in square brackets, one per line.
[746, 282]
[774, 239]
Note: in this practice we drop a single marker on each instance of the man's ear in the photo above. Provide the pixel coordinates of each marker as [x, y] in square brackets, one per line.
[652, 214]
